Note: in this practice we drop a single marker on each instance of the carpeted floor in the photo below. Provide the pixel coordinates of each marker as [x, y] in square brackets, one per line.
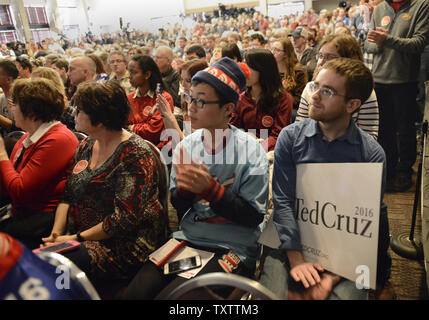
[408, 276]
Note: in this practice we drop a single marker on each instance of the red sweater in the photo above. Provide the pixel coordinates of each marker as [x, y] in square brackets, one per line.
[38, 182]
[248, 116]
[148, 126]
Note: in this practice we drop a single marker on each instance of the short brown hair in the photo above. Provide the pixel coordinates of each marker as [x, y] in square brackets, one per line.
[104, 103]
[62, 63]
[346, 45]
[359, 80]
[98, 63]
[38, 99]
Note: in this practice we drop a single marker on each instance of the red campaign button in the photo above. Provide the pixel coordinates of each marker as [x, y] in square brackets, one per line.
[80, 166]
[267, 121]
[147, 110]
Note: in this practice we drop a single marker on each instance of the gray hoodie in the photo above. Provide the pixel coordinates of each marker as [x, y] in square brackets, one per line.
[398, 59]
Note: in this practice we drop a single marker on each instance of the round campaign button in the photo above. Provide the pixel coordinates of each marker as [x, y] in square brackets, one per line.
[267, 121]
[80, 166]
[385, 21]
[147, 110]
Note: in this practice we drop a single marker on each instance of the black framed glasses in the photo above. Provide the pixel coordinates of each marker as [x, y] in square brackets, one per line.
[324, 91]
[198, 102]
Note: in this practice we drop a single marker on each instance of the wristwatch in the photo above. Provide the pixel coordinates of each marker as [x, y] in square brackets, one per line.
[79, 237]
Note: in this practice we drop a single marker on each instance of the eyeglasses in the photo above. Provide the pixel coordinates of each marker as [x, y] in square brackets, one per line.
[324, 91]
[325, 57]
[118, 61]
[198, 102]
[276, 50]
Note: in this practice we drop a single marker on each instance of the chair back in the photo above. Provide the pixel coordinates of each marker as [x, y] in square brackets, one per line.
[257, 290]
[79, 135]
[11, 139]
[164, 176]
[78, 277]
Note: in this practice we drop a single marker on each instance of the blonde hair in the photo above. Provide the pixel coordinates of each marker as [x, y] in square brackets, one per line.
[51, 74]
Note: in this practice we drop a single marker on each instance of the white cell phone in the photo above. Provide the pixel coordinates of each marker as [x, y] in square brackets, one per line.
[182, 265]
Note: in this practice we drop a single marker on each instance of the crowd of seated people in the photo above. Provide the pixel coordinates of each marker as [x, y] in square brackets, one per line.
[238, 90]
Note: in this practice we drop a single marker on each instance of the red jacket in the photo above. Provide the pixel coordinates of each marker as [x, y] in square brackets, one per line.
[248, 116]
[148, 126]
[37, 183]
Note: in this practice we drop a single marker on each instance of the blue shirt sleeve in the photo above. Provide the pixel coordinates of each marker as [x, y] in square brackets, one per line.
[284, 185]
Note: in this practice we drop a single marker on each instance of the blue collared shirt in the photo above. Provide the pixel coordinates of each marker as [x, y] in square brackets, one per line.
[304, 142]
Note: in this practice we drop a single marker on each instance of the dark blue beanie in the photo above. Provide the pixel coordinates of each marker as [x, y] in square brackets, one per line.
[225, 76]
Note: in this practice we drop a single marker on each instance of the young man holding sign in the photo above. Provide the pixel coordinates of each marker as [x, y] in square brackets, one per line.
[329, 136]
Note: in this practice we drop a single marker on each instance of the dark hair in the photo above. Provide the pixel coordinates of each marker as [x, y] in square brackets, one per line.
[9, 68]
[359, 81]
[38, 99]
[197, 49]
[104, 103]
[232, 51]
[222, 98]
[146, 63]
[24, 63]
[263, 61]
[259, 37]
[98, 63]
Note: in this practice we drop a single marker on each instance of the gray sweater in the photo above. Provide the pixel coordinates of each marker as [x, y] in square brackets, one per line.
[398, 59]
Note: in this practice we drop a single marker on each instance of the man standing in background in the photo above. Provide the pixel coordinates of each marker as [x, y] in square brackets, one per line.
[399, 31]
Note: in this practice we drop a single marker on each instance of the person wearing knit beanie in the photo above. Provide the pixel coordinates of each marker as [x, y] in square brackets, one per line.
[226, 77]
[218, 184]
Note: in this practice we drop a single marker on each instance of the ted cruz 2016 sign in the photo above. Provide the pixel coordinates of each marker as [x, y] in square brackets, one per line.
[337, 209]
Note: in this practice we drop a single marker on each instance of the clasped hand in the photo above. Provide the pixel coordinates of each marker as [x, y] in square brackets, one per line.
[191, 175]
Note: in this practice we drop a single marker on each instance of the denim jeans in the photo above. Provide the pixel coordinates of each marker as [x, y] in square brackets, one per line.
[275, 277]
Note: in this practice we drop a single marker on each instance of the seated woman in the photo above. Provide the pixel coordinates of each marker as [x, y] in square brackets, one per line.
[343, 46]
[293, 74]
[48, 73]
[145, 120]
[34, 176]
[111, 200]
[265, 104]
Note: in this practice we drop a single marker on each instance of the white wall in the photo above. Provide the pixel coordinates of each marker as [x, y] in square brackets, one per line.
[104, 14]
[326, 4]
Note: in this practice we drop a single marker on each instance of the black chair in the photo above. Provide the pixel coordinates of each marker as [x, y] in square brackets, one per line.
[11, 139]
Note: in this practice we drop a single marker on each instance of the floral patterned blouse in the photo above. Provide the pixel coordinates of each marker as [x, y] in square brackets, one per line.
[123, 194]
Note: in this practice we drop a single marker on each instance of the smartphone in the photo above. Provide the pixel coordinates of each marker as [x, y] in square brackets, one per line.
[182, 265]
[158, 88]
[60, 247]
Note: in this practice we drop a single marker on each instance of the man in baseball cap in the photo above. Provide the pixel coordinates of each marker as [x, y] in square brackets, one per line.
[305, 54]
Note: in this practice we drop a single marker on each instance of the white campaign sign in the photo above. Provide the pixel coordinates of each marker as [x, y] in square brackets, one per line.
[338, 210]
